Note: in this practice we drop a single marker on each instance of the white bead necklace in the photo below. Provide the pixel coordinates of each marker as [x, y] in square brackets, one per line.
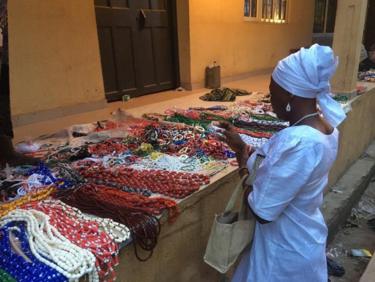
[305, 117]
[53, 249]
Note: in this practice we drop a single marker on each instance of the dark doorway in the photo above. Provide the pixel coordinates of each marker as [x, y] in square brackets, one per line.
[369, 34]
[138, 46]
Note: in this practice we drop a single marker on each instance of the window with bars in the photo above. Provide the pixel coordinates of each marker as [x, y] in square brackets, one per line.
[272, 11]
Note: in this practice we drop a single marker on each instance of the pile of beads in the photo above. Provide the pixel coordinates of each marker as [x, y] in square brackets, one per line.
[132, 201]
[113, 146]
[169, 183]
[45, 177]
[118, 232]
[33, 196]
[254, 142]
[83, 233]
[17, 259]
[106, 202]
[51, 248]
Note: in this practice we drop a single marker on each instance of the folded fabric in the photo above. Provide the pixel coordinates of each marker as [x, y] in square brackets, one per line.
[224, 94]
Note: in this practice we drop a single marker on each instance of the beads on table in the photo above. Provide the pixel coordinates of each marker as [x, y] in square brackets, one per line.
[51, 248]
[169, 183]
[14, 263]
[81, 232]
[132, 210]
[108, 147]
[33, 196]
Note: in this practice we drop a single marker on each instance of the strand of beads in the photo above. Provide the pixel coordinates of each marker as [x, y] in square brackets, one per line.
[130, 201]
[83, 233]
[17, 259]
[109, 147]
[96, 200]
[170, 183]
[50, 247]
[33, 196]
[117, 231]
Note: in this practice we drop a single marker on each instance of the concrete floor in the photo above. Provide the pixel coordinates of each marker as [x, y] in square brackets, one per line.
[146, 104]
[361, 237]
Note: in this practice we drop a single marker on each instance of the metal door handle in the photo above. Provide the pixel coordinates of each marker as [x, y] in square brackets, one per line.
[142, 18]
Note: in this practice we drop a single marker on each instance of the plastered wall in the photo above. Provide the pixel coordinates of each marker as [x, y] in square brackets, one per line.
[219, 33]
[54, 55]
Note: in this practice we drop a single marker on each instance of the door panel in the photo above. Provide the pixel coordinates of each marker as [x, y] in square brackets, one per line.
[139, 4]
[119, 3]
[163, 53]
[107, 58]
[136, 45]
[145, 61]
[158, 4]
[125, 59]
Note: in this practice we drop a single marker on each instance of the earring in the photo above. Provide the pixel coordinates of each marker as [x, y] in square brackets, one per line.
[288, 108]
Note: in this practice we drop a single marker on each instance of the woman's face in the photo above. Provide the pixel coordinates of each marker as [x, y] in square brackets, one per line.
[279, 99]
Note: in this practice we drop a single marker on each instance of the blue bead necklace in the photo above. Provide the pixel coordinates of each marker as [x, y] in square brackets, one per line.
[17, 266]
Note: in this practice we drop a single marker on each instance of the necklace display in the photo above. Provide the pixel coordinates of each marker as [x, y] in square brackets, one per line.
[124, 184]
[41, 194]
[118, 232]
[169, 183]
[107, 202]
[83, 233]
[51, 248]
[14, 236]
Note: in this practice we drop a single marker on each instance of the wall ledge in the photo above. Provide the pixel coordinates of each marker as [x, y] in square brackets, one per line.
[39, 116]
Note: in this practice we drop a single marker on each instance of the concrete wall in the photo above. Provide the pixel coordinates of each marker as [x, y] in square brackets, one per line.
[356, 133]
[219, 33]
[178, 256]
[54, 56]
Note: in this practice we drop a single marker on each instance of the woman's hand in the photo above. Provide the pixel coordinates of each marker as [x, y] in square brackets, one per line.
[231, 137]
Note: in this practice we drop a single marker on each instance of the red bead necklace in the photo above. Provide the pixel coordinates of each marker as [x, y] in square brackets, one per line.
[169, 183]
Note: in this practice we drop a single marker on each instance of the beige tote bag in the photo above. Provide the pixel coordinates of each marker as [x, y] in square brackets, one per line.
[232, 231]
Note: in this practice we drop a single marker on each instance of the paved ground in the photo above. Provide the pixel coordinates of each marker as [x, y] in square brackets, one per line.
[355, 235]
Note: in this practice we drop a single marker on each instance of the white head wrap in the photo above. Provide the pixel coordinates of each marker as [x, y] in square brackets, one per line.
[307, 74]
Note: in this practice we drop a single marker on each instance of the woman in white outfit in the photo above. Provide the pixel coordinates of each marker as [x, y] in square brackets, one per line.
[290, 235]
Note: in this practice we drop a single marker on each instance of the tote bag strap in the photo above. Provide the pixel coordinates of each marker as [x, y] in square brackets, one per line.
[258, 160]
[235, 195]
[248, 179]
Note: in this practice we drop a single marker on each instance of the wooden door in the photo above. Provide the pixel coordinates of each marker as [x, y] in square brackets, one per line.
[137, 46]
